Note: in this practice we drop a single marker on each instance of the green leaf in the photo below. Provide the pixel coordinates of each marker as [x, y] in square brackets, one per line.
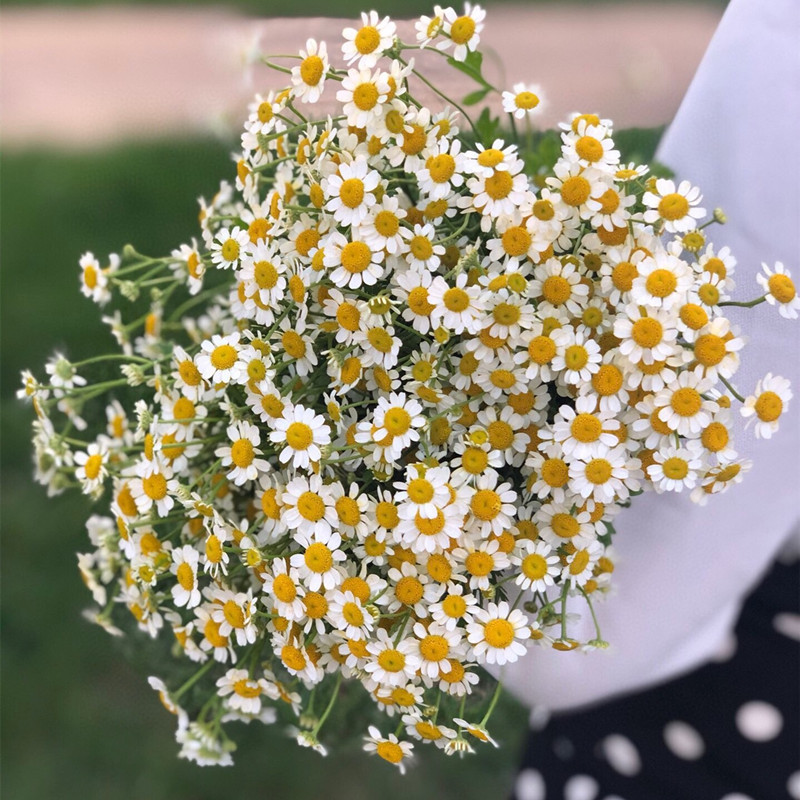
[487, 127]
[475, 97]
[472, 67]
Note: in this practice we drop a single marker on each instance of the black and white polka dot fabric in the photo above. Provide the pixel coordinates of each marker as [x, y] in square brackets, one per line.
[728, 731]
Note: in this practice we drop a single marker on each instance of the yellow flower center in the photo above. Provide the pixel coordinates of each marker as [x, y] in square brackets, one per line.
[586, 428]
[462, 30]
[265, 112]
[456, 300]
[686, 402]
[781, 287]
[607, 380]
[647, 332]
[501, 435]
[454, 606]
[499, 185]
[543, 210]
[675, 468]
[234, 615]
[356, 257]
[526, 100]
[90, 276]
[414, 140]
[223, 357]
[245, 688]
[541, 349]
[397, 421]
[579, 562]
[555, 472]
[709, 294]
[709, 349]
[311, 506]
[490, 157]
[299, 436]
[155, 487]
[498, 633]
[284, 589]
[556, 290]
[386, 223]
[390, 751]
[230, 250]
[421, 248]
[430, 526]
[589, 149]
[661, 283]
[474, 460]
[265, 274]
[485, 504]
[92, 466]
[318, 557]
[575, 190]
[673, 206]
[348, 511]
[408, 590]
[441, 167]
[352, 614]
[598, 471]
[242, 453]
[367, 40]
[365, 96]
[576, 356]
[434, 648]
[534, 566]
[502, 378]
[272, 405]
[293, 344]
[391, 660]
[609, 202]
[293, 658]
[622, 276]
[311, 70]
[351, 192]
[420, 490]
[715, 437]
[769, 406]
[565, 525]
[693, 316]
[185, 576]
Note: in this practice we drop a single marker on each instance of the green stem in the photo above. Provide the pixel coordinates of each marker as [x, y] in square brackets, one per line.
[193, 680]
[330, 705]
[495, 697]
[732, 390]
[749, 304]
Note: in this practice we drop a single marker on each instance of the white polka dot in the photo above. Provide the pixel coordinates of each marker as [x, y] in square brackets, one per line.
[759, 721]
[530, 785]
[538, 719]
[793, 785]
[621, 754]
[736, 796]
[683, 740]
[563, 748]
[727, 650]
[581, 787]
[788, 625]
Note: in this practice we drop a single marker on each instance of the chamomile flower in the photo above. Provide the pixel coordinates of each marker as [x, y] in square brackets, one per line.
[243, 693]
[354, 262]
[94, 279]
[219, 360]
[676, 468]
[391, 663]
[780, 290]
[497, 634]
[303, 431]
[92, 467]
[523, 99]
[186, 592]
[611, 475]
[538, 565]
[462, 30]
[362, 96]
[390, 748]
[683, 407]
[675, 207]
[308, 508]
[457, 308]
[228, 246]
[283, 590]
[368, 43]
[308, 78]
[766, 406]
[351, 192]
[242, 454]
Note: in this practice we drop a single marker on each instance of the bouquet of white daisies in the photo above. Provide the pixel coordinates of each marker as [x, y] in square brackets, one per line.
[375, 423]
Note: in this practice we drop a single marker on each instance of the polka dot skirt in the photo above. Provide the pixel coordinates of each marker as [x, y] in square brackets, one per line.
[728, 731]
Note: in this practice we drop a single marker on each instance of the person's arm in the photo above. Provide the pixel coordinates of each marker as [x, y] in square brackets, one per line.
[684, 570]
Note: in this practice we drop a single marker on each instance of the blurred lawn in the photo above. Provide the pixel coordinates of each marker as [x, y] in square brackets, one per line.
[77, 721]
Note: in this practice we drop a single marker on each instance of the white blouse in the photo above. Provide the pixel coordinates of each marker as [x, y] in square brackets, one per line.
[684, 570]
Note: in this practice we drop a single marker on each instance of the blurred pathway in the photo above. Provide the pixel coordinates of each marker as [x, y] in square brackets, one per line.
[81, 77]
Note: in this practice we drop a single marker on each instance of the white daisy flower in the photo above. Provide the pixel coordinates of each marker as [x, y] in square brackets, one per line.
[676, 468]
[303, 431]
[391, 664]
[683, 406]
[523, 99]
[185, 561]
[351, 193]
[228, 246]
[242, 454]
[457, 308]
[390, 749]
[538, 565]
[308, 509]
[425, 729]
[382, 227]
[663, 281]
[318, 565]
[243, 693]
[780, 290]
[308, 78]
[770, 401]
[610, 475]
[354, 262]
[580, 564]
[454, 607]
[92, 467]
[646, 335]
[462, 30]
[677, 207]
[362, 96]
[368, 43]
[284, 593]
[497, 634]
[219, 361]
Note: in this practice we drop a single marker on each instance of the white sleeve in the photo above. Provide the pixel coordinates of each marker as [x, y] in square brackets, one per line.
[684, 570]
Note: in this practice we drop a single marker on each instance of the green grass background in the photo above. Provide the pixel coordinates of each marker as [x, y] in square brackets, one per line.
[77, 720]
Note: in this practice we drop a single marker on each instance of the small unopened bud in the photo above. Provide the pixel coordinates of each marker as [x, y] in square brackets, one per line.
[134, 374]
[720, 216]
[129, 290]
